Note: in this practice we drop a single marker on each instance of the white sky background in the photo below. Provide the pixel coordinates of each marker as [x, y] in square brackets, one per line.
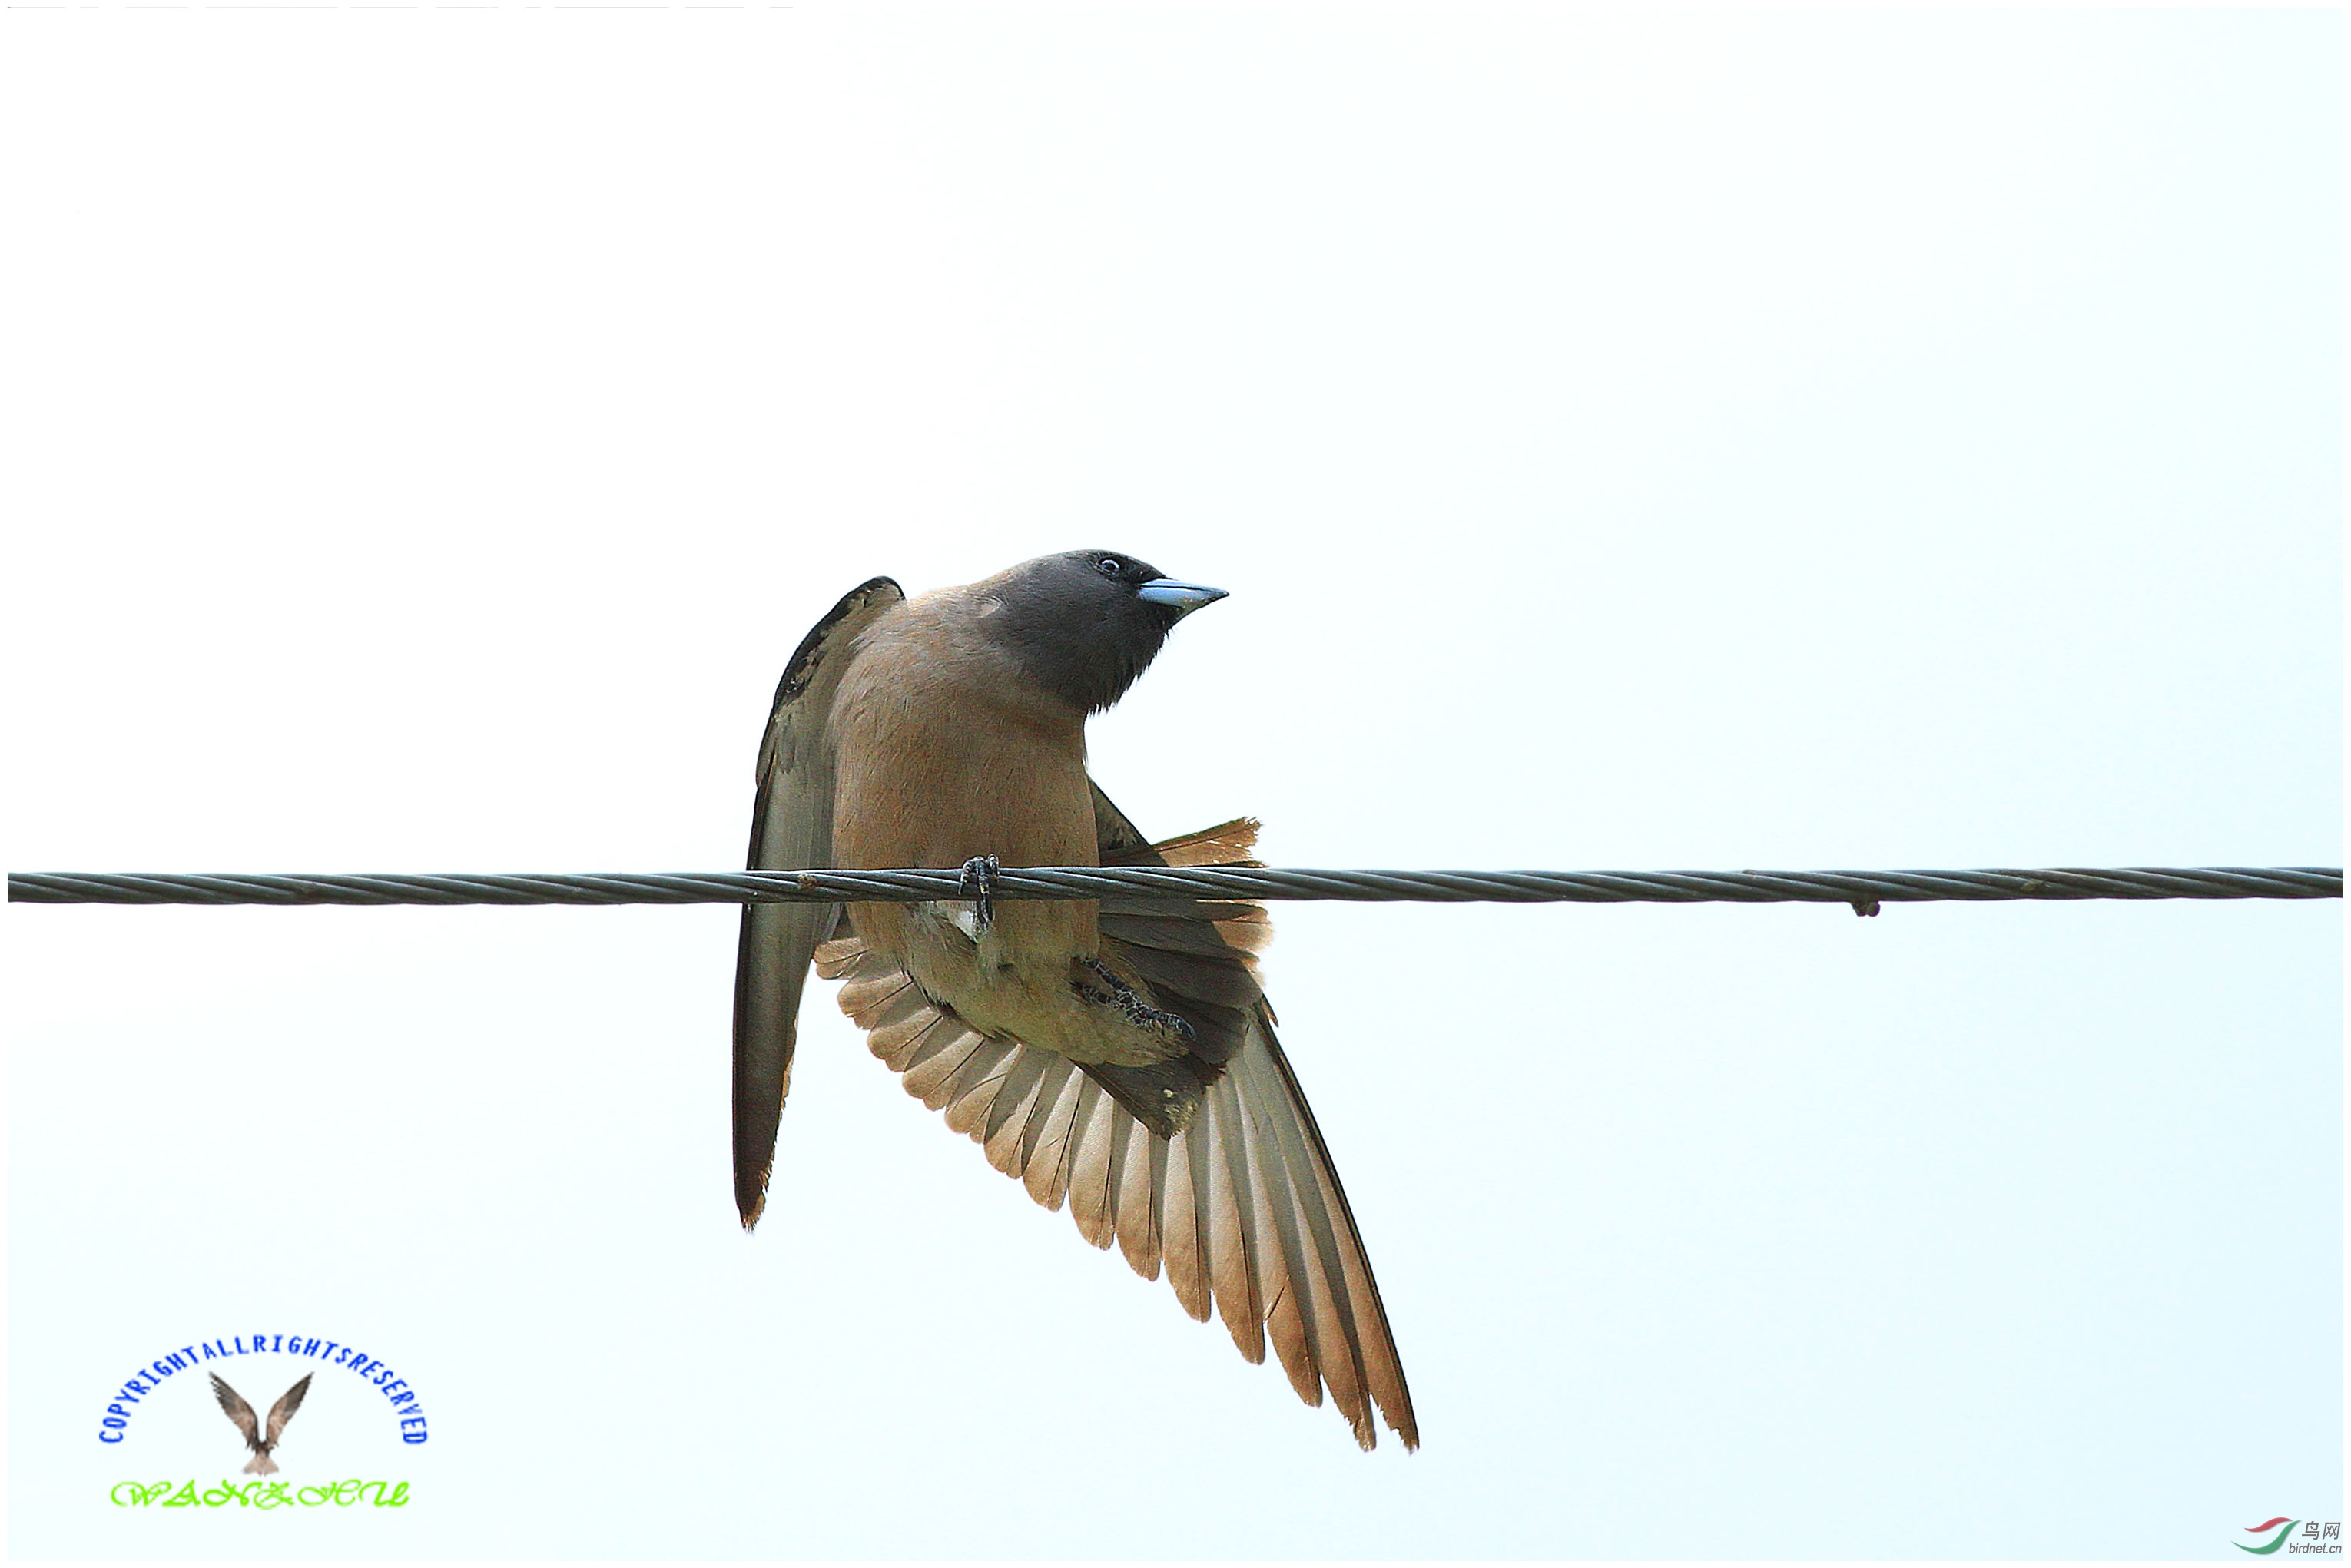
[1631, 442]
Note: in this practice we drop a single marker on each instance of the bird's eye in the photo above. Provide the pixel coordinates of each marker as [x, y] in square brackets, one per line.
[1109, 566]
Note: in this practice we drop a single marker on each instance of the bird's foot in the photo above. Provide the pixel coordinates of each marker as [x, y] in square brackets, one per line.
[978, 884]
[1123, 997]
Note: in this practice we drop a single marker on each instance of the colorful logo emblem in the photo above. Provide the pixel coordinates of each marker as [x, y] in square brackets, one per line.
[2314, 1539]
[277, 1364]
[2282, 1525]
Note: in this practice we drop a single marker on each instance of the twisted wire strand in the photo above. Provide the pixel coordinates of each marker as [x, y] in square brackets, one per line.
[1863, 890]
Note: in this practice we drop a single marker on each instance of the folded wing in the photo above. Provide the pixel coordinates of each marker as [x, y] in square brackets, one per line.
[791, 830]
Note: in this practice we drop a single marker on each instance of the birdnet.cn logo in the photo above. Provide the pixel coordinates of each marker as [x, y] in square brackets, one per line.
[259, 1459]
[2307, 1536]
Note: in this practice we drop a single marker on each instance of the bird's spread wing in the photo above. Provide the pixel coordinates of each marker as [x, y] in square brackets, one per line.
[1243, 1207]
[791, 829]
[282, 1411]
[239, 1412]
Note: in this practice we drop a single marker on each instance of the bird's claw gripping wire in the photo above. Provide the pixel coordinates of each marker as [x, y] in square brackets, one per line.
[978, 884]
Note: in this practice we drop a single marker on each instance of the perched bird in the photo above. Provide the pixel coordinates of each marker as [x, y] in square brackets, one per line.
[261, 1443]
[1117, 1054]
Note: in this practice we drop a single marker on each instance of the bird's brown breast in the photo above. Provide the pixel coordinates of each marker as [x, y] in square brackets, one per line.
[945, 752]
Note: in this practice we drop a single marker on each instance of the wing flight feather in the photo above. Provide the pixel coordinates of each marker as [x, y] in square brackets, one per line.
[238, 1411]
[1241, 1209]
[287, 1403]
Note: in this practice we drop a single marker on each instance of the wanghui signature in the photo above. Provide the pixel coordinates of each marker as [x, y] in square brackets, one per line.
[259, 1494]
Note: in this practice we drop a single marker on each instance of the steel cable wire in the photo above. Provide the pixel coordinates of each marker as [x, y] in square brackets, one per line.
[1863, 890]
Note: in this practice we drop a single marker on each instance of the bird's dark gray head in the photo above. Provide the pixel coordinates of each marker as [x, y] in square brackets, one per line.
[1084, 624]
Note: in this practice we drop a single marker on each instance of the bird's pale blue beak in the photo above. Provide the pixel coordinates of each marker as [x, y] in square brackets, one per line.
[1181, 597]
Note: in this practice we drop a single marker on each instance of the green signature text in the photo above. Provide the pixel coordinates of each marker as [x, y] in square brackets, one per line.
[258, 1494]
